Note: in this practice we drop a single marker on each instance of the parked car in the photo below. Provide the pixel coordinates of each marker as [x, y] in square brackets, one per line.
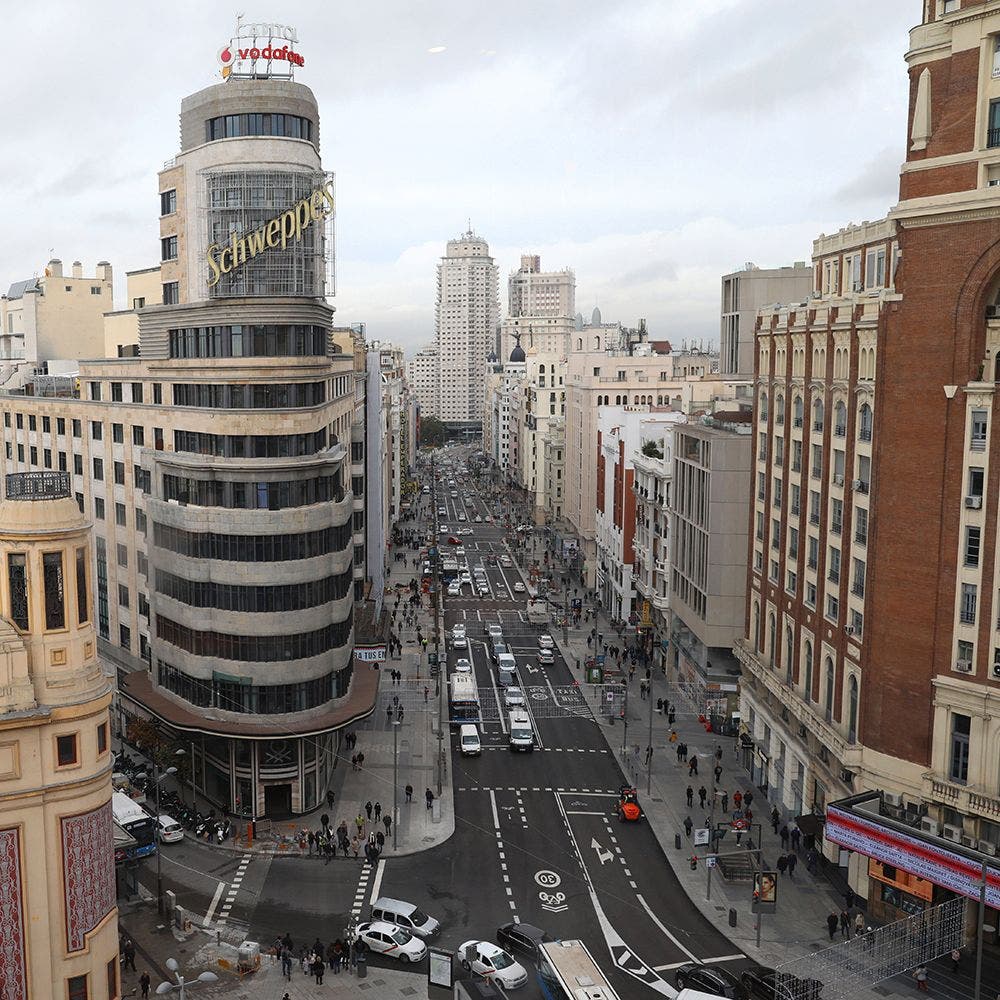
[492, 962]
[769, 984]
[463, 666]
[518, 587]
[388, 939]
[545, 641]
[513, 697]
[523, 939]
[546, 657]
[709, 979]
[454, 589]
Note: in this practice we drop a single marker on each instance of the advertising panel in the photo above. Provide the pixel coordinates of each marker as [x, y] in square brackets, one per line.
[370, 654]
[765, 892]
[912, 854]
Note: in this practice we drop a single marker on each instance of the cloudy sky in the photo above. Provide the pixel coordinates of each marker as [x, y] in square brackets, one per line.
[651, 146]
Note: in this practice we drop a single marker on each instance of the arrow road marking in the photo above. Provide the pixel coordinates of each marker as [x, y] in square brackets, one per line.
[602, 855]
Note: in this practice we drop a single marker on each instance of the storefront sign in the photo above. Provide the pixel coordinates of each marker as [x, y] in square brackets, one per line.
[277, 232]
[893, 876]
[370, 654]
[255, 44]
[912, 854]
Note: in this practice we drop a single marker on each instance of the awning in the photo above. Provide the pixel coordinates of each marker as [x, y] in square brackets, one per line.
[810, 824]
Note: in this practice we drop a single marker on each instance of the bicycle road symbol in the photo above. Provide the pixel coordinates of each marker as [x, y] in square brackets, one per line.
[548, 879]
[552, 898]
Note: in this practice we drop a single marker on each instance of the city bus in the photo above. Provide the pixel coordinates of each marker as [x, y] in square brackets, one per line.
[463, 700]
[136, 822]
[563, 965]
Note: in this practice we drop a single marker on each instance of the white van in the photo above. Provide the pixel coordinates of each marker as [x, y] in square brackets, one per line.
[506, 669]
[405, 915]
[522, 737]
[468, 740]
[168, 829]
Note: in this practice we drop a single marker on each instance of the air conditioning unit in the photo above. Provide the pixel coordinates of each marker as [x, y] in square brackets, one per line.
[996, 670]
[964, 666]
[846, 776]
[892, 798]
[974, 502]
[824, 754]
[987, 847]
[850, 630]
[838, 480]
[928, 825]
[858, 484]
[970, 842]
[992, 312]
[802, 731]
[950, 832]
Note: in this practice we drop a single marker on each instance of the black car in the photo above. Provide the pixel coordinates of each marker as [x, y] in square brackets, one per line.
[769, 984]
[522, 938]
[707, 979]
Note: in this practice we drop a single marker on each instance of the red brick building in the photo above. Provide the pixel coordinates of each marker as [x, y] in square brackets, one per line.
[872, 656]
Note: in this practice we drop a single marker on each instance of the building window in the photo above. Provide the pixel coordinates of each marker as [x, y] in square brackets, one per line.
[95, 391]
[168, 202]
[168, 248]
[138, 435]
[52, 576]
[972, 539]
[136, 392]
[99, 508]
[858, 582]
[17, 581]
[118, 433]
[113, 991]
[807, 682]
[875, 268]
[122, 555]
[157, 393]
[102, 738]
[993, 129]
[123, 595]
[965, 653]
[861, 525]
[171, 293]
[66, 750]
[865, 422]
[119, 471]
[810, 597]
[832, 608]
[99, 469]
[82, 594]
[967, 608]
[116, 392]
[77, 429]
[977, 440]
[125, 637]
[961, 730]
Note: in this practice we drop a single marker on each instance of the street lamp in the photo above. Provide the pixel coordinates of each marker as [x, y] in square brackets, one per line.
[395, 779]
[182, 984]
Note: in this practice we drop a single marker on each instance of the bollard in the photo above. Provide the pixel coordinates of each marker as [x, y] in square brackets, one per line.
[732, 916]
[677, 841]
[170, 903]
[362, 966]
[180, 915]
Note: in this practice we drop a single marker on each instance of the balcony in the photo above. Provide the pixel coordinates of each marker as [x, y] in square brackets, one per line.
[814, 518]
[962, 798]
[796, 421]
[861, 537]
[967, 617]
[992, 136]
[865, 434]
[858, 589]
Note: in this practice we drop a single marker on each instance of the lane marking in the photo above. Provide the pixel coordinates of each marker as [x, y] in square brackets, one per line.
[215, 902]
[582, 812]
[493, 806]
[656, 920]
[723, 958]
[377, 881]
[667, 968]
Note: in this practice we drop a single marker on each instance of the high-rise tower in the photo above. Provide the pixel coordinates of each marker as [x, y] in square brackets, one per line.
[58, 927]
[467, 313]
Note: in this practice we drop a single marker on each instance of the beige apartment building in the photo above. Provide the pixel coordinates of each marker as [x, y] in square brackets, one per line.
[59, 927]
[121, 326]
[36, 314]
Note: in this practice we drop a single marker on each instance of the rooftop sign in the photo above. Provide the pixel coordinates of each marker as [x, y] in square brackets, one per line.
[261, 50]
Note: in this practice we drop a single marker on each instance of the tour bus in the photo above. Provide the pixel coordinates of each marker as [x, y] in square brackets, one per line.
[537, 613]
[463, 700]
[563, 965]
[136, 822]
[449, 570]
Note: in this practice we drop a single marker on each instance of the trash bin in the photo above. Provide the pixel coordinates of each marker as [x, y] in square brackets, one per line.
[362, 966]
[677, 841]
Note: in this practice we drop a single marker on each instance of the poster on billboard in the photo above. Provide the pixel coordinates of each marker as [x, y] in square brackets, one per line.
[370, 654]
[917, 855]
[765, 892]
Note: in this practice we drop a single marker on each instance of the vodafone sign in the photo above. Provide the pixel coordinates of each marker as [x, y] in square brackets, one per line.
[912, 854]
[260, 50]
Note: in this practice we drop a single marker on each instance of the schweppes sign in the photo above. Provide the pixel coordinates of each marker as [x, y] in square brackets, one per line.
[224, 258]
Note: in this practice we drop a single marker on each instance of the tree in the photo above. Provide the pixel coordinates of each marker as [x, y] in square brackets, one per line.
[652, 449]
[432, 432]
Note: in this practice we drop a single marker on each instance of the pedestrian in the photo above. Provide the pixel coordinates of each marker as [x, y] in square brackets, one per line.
[286, 964]
[831, 923]
[144, 984]
[775, 820]
[702, 795]
[849, 898]
[649, 755]
[796, 837]
[690, 796]
[845, 924]
[725, 802]
[642, 690]
[687, 825]
[378, 811]
[792, 862]
[338, 955]
[409, 793]
[738, 800]
[812, 861]
[718, 773]
[387, 823]
[659, 706]
[920, 975]
[427, 691]
[129, 952]
[360, 823]
[783, 867]
[693, 766]
[361, 761]
[368, 809]
[784, 837]
[718, 752]
[670, 716]
[859, 923]
[399, 714]
[673, 737]
[388, 714]
[429, 797]
[956, 957]
[311, 839]
[354, 762]
[748, 799]
[318, 968]
[355, 845]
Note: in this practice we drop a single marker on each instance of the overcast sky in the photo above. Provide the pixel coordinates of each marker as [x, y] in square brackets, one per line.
[651, 146]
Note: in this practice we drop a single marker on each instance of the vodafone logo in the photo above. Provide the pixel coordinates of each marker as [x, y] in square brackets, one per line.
[226, 59]
[229, 54]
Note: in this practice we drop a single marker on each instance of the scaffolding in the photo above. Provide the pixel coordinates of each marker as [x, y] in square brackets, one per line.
[849, 968]
[240, 202]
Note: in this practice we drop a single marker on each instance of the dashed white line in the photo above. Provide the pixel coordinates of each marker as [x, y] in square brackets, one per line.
[215, 902]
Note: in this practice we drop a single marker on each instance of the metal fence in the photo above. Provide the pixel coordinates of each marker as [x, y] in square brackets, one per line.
[856, 965]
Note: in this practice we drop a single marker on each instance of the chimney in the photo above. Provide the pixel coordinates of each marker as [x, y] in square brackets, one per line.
[77, 269]
[104, 271]
[54, 267]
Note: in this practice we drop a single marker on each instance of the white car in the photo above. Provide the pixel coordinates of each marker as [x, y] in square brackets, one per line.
[459, 642]
[460, 551]
[491, 962]
[388, 939]
[546, 642]
[463, 666]
[458, 629]
[484, 588]
[442, 511]
[465, 578]
[495, 632]
[462, 517]
[518, 587]
[506, 562]
[444, 529]
[479, 520]
[513, 697]
[454, 589]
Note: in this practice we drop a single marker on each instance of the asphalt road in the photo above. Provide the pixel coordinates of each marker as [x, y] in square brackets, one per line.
[537, 837]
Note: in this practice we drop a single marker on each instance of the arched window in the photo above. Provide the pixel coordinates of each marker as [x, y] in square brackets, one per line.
[818, 415]
[788, 654]
[772, 638]
[618, 401]
[865, 421]
[852, 713]
[808, 683]
[756, 628]
[579, 343]
[779, 409]
[763, 407]
[797, 412]
[829, 688]
[635, 400]
[597, 343]
[840, 419]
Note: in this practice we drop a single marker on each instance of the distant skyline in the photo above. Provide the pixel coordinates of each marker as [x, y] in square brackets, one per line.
[634, 143]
